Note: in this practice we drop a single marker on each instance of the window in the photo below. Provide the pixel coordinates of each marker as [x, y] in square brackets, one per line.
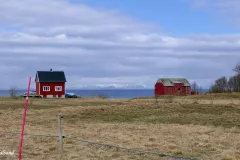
[58, 88]
[46, 88]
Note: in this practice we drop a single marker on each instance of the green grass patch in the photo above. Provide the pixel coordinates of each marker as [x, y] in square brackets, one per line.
[113, 111]
[225, 116]
[100, 103]
[48, 104]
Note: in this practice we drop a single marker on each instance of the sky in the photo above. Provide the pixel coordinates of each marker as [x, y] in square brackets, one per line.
[118, 42]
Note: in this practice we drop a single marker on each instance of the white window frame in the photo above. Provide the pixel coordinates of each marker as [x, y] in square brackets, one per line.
[58, 88]
[46, 88]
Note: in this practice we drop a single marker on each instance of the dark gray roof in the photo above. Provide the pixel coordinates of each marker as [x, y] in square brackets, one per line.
[51, 76]
[171, 81]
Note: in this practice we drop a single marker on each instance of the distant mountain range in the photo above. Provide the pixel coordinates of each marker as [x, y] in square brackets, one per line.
[112, 87]
[124, 87]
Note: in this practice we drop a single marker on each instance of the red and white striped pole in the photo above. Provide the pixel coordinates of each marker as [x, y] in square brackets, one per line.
[23, 121]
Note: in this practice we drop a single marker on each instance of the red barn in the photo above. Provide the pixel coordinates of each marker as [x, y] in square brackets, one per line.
[50, 84]
[172, 86]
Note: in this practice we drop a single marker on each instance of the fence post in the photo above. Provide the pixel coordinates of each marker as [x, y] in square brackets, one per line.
[60, 134]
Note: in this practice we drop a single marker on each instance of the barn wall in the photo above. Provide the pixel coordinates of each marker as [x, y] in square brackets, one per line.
[178, 88]
[159, 89]
[171, 90]
[168, 90]
[187, 90]
[52, 92]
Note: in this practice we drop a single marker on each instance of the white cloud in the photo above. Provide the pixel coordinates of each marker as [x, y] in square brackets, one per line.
[97, 47]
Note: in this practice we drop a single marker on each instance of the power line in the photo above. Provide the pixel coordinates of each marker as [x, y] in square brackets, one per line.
[133, 150]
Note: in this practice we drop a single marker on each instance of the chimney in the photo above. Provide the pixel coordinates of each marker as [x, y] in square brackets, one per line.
[51, 70]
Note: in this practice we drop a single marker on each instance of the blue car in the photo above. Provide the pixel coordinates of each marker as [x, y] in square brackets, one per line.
[70, 95]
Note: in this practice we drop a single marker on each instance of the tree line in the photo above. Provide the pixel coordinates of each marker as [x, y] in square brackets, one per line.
[227, 85]
[196, 88]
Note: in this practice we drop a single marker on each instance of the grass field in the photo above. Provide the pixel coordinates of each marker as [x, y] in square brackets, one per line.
[204, 126]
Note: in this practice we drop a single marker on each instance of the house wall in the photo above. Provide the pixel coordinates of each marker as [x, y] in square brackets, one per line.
[52, 93]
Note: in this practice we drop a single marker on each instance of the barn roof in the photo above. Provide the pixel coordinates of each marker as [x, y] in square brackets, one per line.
[171, 81]
[51, 76]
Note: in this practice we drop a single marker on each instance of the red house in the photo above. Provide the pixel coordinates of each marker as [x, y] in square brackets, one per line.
[50, 84]
[172, 86]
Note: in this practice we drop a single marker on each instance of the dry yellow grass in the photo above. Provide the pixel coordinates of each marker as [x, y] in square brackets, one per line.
[205, 127]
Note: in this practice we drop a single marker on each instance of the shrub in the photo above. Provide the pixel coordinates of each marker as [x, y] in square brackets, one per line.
[102, 96]
[12, 92]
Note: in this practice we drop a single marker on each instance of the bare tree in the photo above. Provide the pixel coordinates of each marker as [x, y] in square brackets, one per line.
[214, 88]
[237, 69]
[13, 92]
[231, 84]
[220, 85]
[194, 86]
[234, 83]
[223, 84]
[237, 80]
[200, 89]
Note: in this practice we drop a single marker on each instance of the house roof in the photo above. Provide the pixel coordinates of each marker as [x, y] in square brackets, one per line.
[171, 81]
[51, 76]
